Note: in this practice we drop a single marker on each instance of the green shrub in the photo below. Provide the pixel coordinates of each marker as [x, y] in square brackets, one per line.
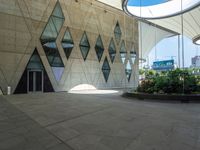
[175, 81]
[146, 86]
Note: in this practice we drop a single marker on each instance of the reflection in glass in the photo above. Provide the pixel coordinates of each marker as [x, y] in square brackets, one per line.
[123, 52]
[84, 46]
[99, 48]
[58, 71]
[112, 50]
[67, 43]
[133, 56]
[35, 62]
[128, 70]
[117, 33]
[49, 36]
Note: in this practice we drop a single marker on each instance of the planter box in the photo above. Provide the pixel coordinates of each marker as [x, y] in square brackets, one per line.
[184, 98]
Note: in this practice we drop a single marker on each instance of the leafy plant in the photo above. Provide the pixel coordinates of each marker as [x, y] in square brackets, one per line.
[175, 81]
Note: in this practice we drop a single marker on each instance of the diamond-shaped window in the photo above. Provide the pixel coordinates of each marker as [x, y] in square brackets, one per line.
[106, 69]
[67, 43]
[112, 50]
[50, 34]
[84, 46]
[99, 48]
[123, 52]
[133, 56]
[128, 70]
[117, 33]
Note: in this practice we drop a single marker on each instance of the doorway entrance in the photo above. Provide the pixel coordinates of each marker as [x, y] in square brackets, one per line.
[35, 81]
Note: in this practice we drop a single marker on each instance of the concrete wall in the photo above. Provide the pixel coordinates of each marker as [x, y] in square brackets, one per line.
[22, 23]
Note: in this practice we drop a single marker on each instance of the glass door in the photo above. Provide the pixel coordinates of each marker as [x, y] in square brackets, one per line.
[35, 81]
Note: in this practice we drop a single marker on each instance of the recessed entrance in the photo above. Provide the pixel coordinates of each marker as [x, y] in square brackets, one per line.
[35, 81]
[35, 77]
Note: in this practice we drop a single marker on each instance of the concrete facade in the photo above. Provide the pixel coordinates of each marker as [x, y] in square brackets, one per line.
[22, 23]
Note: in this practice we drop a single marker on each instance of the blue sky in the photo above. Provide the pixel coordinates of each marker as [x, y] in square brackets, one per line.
[168, 48]
[145, 2]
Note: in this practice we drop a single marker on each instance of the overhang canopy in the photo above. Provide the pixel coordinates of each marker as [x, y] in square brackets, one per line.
[158, 8]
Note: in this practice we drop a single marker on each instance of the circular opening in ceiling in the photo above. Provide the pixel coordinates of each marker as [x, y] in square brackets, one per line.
[144, 3]
[196, 40]
[154, 9]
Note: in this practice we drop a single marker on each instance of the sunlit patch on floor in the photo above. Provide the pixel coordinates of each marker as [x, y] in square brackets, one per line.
[90, 89]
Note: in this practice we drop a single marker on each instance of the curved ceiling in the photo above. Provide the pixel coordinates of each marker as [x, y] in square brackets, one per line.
[196, 40]
[158, 8]
[191, 21]
[157, 34]
[114, 3]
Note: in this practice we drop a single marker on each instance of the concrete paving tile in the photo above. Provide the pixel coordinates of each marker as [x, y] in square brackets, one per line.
[89, 142]
[115, 143]
[63, 133]
[60, 147]
[16, 142]
[99, 122]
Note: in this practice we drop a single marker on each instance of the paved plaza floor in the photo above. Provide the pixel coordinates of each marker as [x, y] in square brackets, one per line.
[63, 121]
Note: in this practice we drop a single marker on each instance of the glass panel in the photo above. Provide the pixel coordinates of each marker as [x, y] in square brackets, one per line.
[30, 81]
[67, 43]
[53, 56]
[133, 56]
[117, 33]
[99, 48]
[84, 46]
[57, 23]
[58, 71]
[123, 52]
[49, 36]
[57, 62]
[106, 69]
[128, 70]
[112, 50]
[38, 81]
[58, 11]
[49, 33]
[35, 62]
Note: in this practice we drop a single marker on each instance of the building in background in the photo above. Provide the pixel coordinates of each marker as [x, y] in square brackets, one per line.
[196, 62]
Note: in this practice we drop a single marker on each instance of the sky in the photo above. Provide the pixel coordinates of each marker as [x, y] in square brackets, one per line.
[168, 49]
[145, 2]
